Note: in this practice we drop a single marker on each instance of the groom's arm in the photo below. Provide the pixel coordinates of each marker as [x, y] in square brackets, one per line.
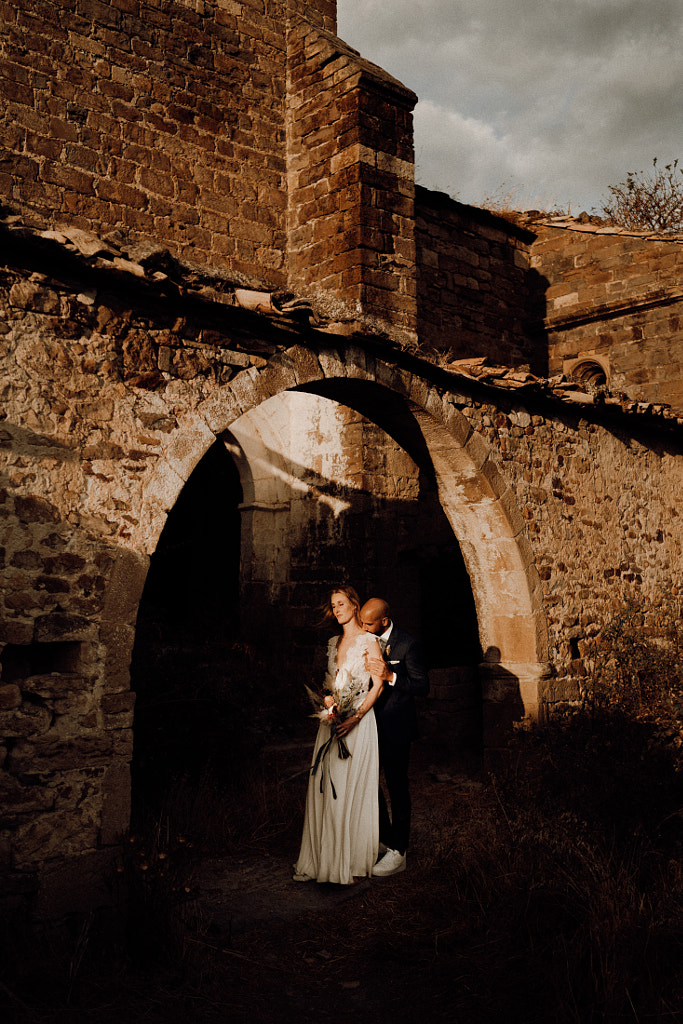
[411, 674]
[402, 669]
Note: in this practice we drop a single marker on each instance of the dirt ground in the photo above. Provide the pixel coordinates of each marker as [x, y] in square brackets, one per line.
[245, 893]
[310, 952]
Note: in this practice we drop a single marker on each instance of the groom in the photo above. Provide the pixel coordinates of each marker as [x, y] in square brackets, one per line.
[405, 677]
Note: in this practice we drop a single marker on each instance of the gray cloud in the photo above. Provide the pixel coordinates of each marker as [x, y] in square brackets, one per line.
[555, 99]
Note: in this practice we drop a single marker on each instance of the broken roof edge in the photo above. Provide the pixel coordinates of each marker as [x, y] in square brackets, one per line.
[525, 222]
[290, 317]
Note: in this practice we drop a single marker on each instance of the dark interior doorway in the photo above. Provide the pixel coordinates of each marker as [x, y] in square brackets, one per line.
[187, 633]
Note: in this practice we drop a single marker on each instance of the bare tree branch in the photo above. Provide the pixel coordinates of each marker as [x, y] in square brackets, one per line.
[652, 201]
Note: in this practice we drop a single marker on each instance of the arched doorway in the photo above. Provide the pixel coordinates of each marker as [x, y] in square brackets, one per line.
[329, 496]
[475, 497]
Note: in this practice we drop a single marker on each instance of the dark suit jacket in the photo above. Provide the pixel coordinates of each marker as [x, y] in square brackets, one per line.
[395, 708]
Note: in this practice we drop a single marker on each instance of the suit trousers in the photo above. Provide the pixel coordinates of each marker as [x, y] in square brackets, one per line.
[394, 831]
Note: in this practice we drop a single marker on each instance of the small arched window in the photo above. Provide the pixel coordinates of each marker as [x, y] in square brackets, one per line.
[589, 371]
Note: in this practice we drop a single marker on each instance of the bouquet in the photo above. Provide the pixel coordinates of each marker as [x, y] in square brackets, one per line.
[332, 708]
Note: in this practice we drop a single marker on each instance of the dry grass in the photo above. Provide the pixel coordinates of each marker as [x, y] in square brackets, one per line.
[511, 201]
[552, 893]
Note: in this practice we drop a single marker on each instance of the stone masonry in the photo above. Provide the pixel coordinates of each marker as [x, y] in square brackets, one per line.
[211, 241]
[351, 179]
[614, 297]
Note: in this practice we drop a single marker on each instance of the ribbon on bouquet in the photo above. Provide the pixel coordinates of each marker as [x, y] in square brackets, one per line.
[323, 751]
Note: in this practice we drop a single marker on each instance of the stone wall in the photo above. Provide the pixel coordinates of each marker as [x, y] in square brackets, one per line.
[69, 354]
[601, 508]
[97, 441]
[195, 127]
[351, 177]
[175, 152]
[157, 119]
[614, 297]
[478, 295]
[557, 296]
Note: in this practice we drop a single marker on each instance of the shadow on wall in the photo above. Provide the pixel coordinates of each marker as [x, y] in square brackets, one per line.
[502, 698]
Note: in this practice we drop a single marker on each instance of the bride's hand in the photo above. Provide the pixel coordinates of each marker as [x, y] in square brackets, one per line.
[344, 727]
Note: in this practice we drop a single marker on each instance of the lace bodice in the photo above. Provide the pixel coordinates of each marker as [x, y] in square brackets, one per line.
[353, 673]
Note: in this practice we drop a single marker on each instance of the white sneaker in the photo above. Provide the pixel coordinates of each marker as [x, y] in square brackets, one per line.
[391, 864]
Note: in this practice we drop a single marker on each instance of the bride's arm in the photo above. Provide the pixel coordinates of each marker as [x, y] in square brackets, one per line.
[377, 686]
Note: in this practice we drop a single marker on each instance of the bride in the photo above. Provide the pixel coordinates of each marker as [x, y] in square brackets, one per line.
[341, 823]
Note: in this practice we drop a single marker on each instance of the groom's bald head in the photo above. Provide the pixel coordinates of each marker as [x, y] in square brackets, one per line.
[375, 616]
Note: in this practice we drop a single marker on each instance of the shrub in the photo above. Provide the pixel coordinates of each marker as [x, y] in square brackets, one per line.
[639, 675]
[652, 201]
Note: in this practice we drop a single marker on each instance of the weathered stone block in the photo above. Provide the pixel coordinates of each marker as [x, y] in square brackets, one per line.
[56, 685]
[49, 753]
[10, 697]
[277, 376]
[244, 389]
[35, 509]
[63, 626]
[67, 563]
[163, 487]
[477, 449]
[14, 631]
[116, 795]
[118, 640]
[31, 295]
[27, 720]
[125, 585]
[54, 835]
[118, 709]
[305, 363]
[18, 797]
[151, 523]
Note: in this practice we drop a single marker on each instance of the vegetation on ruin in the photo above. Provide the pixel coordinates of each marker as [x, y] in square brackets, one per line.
[648, 201]
[510, 201]
[644, 201]
[550, 890]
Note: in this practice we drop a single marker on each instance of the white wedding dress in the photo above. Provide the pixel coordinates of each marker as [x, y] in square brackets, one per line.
[341, 833]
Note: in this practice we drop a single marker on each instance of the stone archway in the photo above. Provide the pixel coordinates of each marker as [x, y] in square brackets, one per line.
[112, 518]
[474, 494]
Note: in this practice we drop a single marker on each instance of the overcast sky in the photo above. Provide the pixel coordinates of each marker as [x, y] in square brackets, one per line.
[553, 100]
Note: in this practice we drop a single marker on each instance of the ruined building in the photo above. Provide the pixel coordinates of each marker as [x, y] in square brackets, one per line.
[243, 357]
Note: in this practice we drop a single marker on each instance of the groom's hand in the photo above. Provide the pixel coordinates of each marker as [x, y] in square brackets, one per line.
[378, 668]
